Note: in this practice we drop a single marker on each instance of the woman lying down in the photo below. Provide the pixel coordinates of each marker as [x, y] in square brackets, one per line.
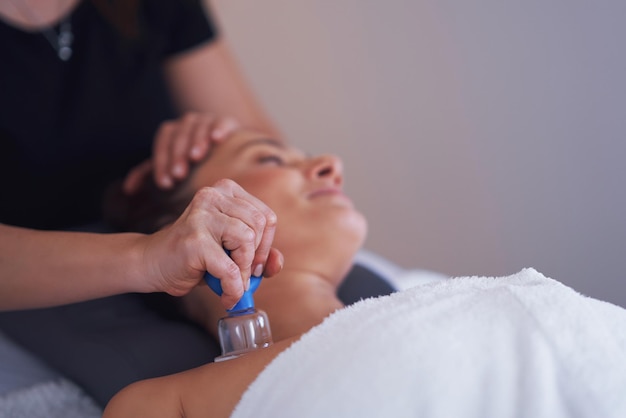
[523, 345]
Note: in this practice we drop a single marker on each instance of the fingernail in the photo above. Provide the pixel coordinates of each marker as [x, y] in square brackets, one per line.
[196, 152]
[226, 127]
[246, 284]
[218, 133]
[166, 181]
[178, 170]
[258, 270]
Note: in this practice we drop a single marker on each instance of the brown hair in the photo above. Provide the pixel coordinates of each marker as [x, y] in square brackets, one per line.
[150, 208]
[147, 210]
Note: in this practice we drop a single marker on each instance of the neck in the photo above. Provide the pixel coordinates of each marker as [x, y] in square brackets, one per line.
[297, 300]
[36, 14]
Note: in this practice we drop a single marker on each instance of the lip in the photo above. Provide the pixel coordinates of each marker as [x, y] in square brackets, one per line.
[329, 192]
[325, 191]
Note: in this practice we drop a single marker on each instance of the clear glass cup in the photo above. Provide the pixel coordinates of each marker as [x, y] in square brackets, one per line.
[243, 331]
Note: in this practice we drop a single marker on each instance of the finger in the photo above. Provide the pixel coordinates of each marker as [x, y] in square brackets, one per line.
[265, 244]
[259, 217]
[137, 177]
[261, 220]
[161, 154]
[204, 227]
[249, 251]
[240, 239]
[181, 143]
[229, 225]
[248, 208]
[201, 139]
[275, 263]
[220, 265]
[243, 229]
[223, 128]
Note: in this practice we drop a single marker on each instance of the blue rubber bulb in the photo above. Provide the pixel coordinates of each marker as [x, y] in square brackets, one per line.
[246, 302]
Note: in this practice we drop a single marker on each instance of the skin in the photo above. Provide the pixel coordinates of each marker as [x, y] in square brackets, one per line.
[213, 99]
[177, 144]
[210, 390]
[318, 231]
[306, 195]
[47, 268]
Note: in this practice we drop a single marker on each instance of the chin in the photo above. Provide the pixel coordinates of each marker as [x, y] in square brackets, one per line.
[352, 225]
[359, 224]
[328, 248]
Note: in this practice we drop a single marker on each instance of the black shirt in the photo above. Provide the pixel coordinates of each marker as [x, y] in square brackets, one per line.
[68, 129]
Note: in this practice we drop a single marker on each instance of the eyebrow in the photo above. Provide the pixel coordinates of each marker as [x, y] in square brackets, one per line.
[265, 141]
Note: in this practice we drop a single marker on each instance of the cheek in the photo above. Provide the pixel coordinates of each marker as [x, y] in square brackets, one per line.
[282, 197]
[273, 190]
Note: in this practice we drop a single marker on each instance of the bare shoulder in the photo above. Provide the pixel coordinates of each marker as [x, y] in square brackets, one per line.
[210, 390]
[152, 397]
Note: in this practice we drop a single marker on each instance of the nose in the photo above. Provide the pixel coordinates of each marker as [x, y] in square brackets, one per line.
[327, 167]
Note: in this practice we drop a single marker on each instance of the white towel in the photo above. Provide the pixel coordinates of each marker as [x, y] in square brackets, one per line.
[517, 346]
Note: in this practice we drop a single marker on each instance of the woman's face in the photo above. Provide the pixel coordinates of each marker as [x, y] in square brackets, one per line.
[315, 218]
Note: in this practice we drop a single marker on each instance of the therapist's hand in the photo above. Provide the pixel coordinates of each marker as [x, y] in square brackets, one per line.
[224, 216]
[176, 144]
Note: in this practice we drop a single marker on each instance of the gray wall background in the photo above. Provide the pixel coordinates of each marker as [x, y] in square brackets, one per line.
[479, 137]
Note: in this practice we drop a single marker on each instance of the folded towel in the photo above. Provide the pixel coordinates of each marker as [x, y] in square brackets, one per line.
[517, 346]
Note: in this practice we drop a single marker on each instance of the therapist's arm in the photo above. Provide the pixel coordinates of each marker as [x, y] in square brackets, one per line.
[208, 79]
[213, 98]
[46, 268]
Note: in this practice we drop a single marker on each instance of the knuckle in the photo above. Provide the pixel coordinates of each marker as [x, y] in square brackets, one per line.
[205, 194]
[271, 219]
[232, 270]
[248, 235]
[190, 117]
[245, 236]
[259, 220]
[227, 184]
[241, 235]
[166, 128]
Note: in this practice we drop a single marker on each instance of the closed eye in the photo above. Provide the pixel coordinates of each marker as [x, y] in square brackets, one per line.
[271, 159]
